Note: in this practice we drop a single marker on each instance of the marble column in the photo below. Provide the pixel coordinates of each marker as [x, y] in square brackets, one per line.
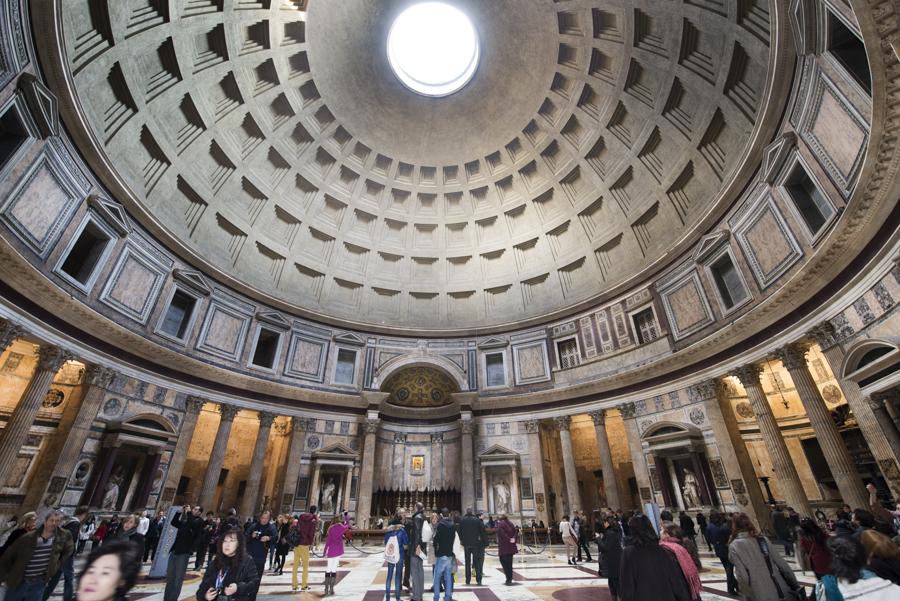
[9, 333]
[732, 451]
[251, 491]
[50, 359]
[639, 464]
[217, 457]
[782, 463]
[345, 490]
[874, 424]
[536, 462]
[367, 473]
[292, 464]
[850, 485]
[485, 490]
[565, 442]
[610, 486]
[315, 485]
[48, 484]
[437, 461]
[467, 463]
[192, 407]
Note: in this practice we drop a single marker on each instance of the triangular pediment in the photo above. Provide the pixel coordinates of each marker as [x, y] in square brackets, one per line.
[350, 338]
[336, 449]
[776, 154]
[709, 244]
[194, 280]
[112, 212]
[802, 17]
[493, 343]
[497, 451]
[42, 103]
[273, 319]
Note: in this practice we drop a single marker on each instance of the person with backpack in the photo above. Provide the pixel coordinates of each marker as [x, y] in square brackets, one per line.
[395, 539]
[300, 537]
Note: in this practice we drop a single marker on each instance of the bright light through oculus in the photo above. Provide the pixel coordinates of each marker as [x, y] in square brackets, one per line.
[433, 48]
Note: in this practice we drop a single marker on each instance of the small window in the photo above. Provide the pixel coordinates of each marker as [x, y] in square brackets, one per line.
[178, 315]
[645, 326]
[85, 253]
[345, 370]
[811, 203]
[12, 134]
[266, 348]
[568, 353]
[848, 49]
[494, 369]
[728, 281]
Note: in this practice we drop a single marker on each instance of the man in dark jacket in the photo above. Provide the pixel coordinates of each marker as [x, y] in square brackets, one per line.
[259, 534]
[304, 533]
[189, 524]
[718, 533]
[67, 571]
[35, 559]
[416, 569]
[610, 547]
[444, 536]
[783, 531]
[152, 538]
[473, 539]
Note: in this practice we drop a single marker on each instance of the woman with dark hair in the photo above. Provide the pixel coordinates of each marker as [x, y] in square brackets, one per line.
[232, 573]
[882, 555]
[129, 531]
[282, 546]
[110, 572]
[673, 539]
[761, 574]
[813, 543]
[610, 547]
[850, 579]
[650, 572]
[718, 533]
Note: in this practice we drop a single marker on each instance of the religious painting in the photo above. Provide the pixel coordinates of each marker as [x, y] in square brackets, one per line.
[418, 463]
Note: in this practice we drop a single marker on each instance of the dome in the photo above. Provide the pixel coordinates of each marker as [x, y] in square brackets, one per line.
[271, 145]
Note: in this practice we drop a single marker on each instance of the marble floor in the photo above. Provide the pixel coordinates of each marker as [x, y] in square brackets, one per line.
[362, 574]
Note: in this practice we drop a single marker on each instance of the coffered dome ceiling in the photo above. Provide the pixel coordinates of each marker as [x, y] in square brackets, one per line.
[270, 144]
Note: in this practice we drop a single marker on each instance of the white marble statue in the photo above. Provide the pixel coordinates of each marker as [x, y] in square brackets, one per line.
[501, 497]
[328, 497]
[691, 490]
[111, 496]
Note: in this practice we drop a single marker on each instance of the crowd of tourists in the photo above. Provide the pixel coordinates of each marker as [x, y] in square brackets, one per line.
[853, 554]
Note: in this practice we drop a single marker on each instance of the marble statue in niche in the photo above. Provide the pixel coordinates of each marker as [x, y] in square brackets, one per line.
[691, 489]
[328, 492]
[111, 495]
[501, 497]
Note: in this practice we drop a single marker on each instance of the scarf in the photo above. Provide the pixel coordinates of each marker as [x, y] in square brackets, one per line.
[688, 568]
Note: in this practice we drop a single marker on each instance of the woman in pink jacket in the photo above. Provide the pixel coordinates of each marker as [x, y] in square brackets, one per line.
[334, 549]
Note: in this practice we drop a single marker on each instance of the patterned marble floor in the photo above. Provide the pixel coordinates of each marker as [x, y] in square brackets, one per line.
[361, 577]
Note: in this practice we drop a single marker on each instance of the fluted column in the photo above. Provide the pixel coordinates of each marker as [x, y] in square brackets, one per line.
[467, 463]
[641, 473]
[217, 457]
[782, 463]
[292, 464]
[874, 423]
[192, 407]
[50, 359]
[850, 485]
[9, 333]
[58, 462]
[610, 486]
[251, 491]
[536, 461]
[732, 450]
[565, 442]
[366, 474]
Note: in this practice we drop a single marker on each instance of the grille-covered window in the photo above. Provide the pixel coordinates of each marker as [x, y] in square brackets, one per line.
[568, 353]
[645, 326]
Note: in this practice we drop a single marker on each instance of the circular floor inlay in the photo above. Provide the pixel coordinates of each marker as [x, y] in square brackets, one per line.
[433, 48]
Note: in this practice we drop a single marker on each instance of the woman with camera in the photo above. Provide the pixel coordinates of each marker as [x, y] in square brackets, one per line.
[232, 575]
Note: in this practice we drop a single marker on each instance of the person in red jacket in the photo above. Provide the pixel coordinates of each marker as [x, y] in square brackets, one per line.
[506, 546]
[813, 542]
[301, 537]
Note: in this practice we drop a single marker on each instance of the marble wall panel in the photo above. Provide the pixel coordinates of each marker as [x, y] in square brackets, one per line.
[767, 242]
[224, 329]
[531, 362]
[133, 284]
[686, 305]
[306, 357]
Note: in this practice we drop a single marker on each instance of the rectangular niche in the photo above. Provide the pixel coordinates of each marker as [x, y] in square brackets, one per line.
[177, 320]
[266, 348]
[345, 367]
[87, 251]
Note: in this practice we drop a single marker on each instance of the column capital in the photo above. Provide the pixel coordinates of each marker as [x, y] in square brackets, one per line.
[371, 426]
[100, 376]
[748, 374]
[281, 427]
[228, 412]
[400, 437]
[437, 437]
[533, 426]
[792, 356]
[628, 410]
[563, 422]
[704, 391]
[599, 417]
[265, 419]
[193, 404]
[823, 334]
[467, 426]
[298, 424]
[51, 358]
[9, 332]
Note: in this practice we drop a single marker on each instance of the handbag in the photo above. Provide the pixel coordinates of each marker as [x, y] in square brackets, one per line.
[797, 594]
